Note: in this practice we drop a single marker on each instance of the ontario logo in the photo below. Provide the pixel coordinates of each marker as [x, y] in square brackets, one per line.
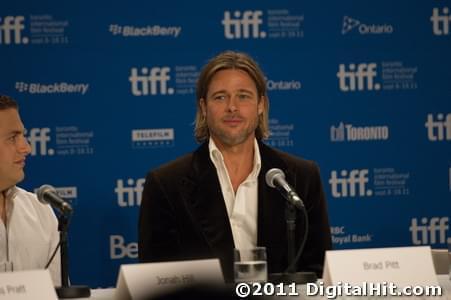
[349, 24]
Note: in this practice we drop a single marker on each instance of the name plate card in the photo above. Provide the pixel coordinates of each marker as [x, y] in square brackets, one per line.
[143, 281]
[27, 285]
[403, 266]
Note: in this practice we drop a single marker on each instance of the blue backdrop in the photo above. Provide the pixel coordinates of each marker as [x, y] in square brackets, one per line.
[107, 93]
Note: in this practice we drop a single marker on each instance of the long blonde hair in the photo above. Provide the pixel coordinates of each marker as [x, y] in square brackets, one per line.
[224, 61]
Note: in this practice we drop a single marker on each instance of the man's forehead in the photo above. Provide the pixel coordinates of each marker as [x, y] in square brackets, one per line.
[10, 121]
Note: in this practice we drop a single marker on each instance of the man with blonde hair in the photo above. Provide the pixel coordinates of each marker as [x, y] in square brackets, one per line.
[206, 203]
[28, 229]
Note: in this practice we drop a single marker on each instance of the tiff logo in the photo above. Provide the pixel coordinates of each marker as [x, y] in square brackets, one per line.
[350, 184]
[358, 77]
[243, 25]
[151, 81]
[439, 129]
[11, 30]
[430, 231]
[131, 194]
[39, 139]
[441, 21]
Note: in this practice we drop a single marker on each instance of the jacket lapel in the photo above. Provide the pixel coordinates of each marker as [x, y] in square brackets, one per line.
[205, 202]
[271, 204]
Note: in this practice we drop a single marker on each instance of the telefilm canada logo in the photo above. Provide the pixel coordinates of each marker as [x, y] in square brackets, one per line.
[258, 24]
[153, 138]
[66, 192]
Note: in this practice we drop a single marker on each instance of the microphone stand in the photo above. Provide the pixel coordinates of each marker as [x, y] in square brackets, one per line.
[65, 290]
[290, 275]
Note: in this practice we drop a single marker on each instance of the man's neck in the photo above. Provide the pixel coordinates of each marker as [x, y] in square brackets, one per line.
[239, 160]
[3, 209]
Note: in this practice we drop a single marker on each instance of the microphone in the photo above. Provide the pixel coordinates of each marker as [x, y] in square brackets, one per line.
[47, 195]
[275, 178]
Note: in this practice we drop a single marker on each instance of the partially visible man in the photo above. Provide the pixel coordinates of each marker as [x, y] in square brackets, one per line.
[28, 228]
[206, 203]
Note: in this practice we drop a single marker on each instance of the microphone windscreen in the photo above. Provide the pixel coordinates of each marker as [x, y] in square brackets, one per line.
[271, 174]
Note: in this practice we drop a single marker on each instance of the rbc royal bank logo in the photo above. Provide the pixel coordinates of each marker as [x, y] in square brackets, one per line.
[11, 30]
[441, 21]
[39, 139]
[350, 184]
[429, 231]
[150, 81]
[438, 127]
[243, 25]
[357, 77]
[129, 192]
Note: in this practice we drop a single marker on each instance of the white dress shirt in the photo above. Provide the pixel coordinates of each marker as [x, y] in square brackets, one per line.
[30, 235]
[242, 207]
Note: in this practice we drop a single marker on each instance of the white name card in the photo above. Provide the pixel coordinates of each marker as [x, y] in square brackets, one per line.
[402, 266]
[142, 281]
[27, 285]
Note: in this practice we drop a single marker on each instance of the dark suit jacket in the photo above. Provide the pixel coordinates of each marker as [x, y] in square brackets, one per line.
[183, 214]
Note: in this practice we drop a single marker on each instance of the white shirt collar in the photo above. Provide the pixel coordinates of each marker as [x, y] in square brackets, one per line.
[217, 157]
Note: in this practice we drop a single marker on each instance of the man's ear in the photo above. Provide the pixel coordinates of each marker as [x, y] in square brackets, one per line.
[203, 106]
[261, 105]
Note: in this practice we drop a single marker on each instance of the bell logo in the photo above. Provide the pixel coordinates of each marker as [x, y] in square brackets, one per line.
[430, 231]
[243, 25]
[151, 81]
[38, 139]
[11, 30]
[119, 249]
[441, 21]
[439, 129]
[350, 184]
[131, 194]
[358, 77]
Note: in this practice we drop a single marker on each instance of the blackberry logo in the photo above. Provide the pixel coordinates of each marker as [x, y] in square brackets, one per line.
[115, 29]
[21, 87]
